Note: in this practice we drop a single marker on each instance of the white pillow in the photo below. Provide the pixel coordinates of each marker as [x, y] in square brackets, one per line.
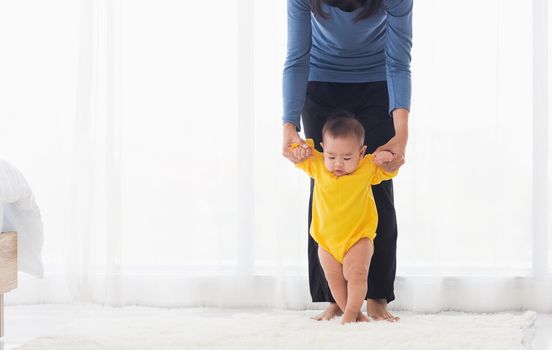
[12, 183]
[21, 214]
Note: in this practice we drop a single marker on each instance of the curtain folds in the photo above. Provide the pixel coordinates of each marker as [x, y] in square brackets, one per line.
[151, 138]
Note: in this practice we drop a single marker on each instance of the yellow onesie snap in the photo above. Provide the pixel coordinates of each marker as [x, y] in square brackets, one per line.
[343, 208]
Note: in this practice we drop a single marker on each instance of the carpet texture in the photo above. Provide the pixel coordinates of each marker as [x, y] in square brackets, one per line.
[148, 328]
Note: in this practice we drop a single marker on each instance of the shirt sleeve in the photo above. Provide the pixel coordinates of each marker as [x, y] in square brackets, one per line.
[296, 67]
[308, 167]
[378, 173]
[398, 44]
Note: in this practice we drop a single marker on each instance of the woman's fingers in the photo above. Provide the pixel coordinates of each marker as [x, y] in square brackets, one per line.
[393, 165]
[308, 152]
[398, 160]
[301, 152]
[383, 157]
[295, 148]
[397, 147]
[290, 136]
[291, 154]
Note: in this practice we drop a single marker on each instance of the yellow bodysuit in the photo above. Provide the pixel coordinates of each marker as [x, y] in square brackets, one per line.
[343, 208]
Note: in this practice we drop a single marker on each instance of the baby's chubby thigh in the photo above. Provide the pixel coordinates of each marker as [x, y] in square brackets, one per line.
[356, 262]
[333, 270]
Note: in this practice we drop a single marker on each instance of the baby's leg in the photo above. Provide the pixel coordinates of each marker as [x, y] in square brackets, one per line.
[333, 271]
[356, 265]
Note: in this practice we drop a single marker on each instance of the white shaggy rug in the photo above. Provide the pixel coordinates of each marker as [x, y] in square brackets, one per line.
[140, 328]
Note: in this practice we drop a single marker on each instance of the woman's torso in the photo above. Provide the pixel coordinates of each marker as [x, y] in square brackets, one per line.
[344, 49]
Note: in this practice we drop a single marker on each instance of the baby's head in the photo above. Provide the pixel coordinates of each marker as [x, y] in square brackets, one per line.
[343, 144]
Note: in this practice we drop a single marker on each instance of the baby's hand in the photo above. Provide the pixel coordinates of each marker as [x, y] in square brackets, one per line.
[301, 151]
[383, 157]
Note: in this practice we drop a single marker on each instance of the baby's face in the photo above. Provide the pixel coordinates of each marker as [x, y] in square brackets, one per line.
[341, 155]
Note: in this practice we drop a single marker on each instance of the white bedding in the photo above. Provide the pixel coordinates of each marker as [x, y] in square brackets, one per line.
[19, 212]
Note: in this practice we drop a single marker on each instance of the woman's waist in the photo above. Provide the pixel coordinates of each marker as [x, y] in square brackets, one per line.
[335, 75]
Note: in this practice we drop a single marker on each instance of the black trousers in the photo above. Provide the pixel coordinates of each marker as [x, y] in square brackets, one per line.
[369, 103]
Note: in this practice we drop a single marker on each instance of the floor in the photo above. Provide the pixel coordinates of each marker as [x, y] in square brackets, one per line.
[24, 323]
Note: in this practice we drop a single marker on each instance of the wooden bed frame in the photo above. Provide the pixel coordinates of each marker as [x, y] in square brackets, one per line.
[8, 269]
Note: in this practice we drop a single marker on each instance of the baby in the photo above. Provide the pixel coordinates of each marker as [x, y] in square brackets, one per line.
[344, 215]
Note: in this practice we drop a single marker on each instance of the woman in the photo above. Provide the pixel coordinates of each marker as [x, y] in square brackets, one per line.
[352, 56]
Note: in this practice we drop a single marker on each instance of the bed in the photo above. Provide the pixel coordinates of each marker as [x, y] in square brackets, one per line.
[21, 232]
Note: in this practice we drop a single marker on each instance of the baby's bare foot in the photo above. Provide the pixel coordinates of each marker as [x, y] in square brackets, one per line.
[331, 311]
[349, 317]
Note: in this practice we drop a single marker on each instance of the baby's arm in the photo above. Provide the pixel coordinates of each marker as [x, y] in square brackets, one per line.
[306, 164]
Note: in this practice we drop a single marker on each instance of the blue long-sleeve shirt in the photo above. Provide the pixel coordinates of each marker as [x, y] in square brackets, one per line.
[340, 49]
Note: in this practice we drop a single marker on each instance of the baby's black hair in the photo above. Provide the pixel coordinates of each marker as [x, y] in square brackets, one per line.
[344, 125]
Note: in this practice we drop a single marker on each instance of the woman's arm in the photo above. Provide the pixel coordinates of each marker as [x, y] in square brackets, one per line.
[397, 61]
[296, 67]
[397, 144]
[295, 76]
[398, 44]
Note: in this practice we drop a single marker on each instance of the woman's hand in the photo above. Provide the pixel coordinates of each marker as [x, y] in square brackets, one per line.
[291, 136]
[383, 157]
[397, 144]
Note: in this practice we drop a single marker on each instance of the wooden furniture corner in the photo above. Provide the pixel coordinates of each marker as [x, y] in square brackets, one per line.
[8, 269]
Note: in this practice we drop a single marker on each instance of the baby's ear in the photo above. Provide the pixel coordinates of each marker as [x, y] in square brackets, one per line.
[363, 151]
[322, 144]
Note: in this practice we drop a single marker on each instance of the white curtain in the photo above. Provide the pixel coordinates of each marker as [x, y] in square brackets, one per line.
[150, 133]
